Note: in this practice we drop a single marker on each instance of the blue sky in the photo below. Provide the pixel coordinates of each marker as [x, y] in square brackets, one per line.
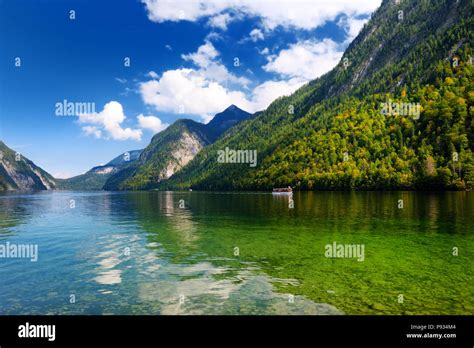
[188, 59]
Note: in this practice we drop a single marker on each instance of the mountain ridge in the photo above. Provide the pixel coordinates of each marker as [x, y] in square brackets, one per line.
[19, 173]
[391, 57]
[96, 177]
[172, 148]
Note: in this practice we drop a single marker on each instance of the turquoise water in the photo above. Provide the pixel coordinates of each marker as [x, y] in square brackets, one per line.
[238, 253]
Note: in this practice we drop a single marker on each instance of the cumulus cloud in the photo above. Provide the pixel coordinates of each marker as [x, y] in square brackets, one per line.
[93, 131]
[301, 14]
[210, 68]
[210, 87]
[305, 60]
[186, 91]
[151, 122]
[256, 34]
[265, 51]
[189, 91]
[352, 26]
[204, 56]
[220, 21]
[203, 90]
[165, 10]
[109, 121]
[265, 93]
[152, 74]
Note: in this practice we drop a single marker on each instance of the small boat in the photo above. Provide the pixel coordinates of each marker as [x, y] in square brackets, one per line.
[283, 190]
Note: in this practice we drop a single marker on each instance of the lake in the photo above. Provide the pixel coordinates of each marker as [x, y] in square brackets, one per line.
[238, 253]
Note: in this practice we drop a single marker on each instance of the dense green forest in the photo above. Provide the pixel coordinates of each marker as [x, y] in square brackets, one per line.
[333, 133]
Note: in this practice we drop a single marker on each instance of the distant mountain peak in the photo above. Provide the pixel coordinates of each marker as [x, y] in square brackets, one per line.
[228, 118]
[232, 107]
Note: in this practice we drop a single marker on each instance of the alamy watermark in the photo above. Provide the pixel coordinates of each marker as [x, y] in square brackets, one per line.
[346, 251]
[19, 251]
[237, 156]
[67, 108]
[400, 109]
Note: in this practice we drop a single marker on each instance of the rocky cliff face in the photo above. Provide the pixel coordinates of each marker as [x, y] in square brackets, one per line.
[170, 150]
[167, 152]
[19, 173]
[186, 148]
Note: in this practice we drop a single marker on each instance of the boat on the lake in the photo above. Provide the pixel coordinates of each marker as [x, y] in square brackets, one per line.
[283, 190]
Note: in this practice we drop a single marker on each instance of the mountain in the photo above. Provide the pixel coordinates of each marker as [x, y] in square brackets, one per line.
[395, 113]
[173, 148]
[227, 119]
[96, 178]
[19, 173]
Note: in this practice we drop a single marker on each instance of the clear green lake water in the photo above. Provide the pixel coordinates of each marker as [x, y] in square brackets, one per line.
[141, 253]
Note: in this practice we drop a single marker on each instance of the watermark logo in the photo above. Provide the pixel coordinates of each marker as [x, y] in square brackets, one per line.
[345, 251]
[37, 331]
[237, 156]
[67, 108]
[19, 251]
[400, 109]
[345, 63]
[126, 156]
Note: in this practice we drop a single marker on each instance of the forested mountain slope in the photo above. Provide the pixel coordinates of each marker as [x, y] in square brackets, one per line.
[95, 178]
[396, 113]
[173, 148]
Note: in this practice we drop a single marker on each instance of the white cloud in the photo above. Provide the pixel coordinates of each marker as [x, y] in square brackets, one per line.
[210, 88]
[305, 60]
[220, 21]
[256, 34]
[122, 81]
[202, 91]
[265, 93]
[187, 91]
[301, 14]
[213, 36]
[152, 74]
[204, 56]
[265, 51]
[151, 122]
[189, 10]
[91, 130]
[190, 92]
[168, 47]
[352, 26]
[210, 68]
[109, 120]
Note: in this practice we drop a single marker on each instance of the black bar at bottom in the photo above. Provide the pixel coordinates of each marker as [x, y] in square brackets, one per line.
[240, 330]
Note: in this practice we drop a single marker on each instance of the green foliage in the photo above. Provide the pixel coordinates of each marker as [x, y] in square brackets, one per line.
[150, 169]
[409, 62]
[168, 149]
[96, 178]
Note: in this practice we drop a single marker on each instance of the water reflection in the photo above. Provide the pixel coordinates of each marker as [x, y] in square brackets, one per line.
[139, 252]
